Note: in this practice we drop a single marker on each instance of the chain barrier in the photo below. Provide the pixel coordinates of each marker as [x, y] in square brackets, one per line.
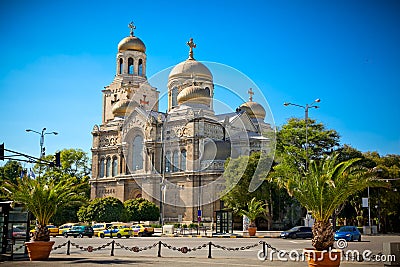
[184, 249]
[90, 248]
[60, 246]
[136, 249]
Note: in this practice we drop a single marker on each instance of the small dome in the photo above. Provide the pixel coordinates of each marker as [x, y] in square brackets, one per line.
[131, 43]
[253, 109]
[190, 67]
[194, 94]
[123, 107]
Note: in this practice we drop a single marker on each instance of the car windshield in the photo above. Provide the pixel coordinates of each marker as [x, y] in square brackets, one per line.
[295, 228]
[75, 227]
[345, 229]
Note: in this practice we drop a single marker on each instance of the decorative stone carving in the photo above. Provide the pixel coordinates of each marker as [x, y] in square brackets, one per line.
[109, 140]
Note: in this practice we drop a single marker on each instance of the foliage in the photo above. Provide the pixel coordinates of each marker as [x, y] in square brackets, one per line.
[254, 209]
[43, 198]
[291, 142]
[238, 175]
[106, 209]
[140, 209]
[323, 188]
[11, 171]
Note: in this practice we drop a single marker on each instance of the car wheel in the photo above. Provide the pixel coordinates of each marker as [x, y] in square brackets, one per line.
[119, 235]
[294, 236]
[127, 236]
[74, 236]
[140, 234]
[359, 238]
[81, 235]
[65, 235]
[351, 239]
[102, 235]
[89, 236]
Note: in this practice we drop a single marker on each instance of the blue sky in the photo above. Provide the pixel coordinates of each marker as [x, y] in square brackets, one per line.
[56, 57]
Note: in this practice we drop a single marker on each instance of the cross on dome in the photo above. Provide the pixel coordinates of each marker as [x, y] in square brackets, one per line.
[192, 45]
[251, 93]
[132, 27]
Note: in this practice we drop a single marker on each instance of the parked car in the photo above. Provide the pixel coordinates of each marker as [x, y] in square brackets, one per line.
[142, 230]
[298, 232]
[98, 227]
[79, 230]
[54, 231]
[116, 231]
[18, 232]
[349, 233]
[65, 227]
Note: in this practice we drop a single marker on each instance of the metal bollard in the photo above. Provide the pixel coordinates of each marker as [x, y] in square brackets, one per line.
[264, 249]
[209, 250]
[68, 247]
[159, 248]
[112, 248]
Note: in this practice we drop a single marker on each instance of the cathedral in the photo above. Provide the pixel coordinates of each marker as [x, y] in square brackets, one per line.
[174, 158]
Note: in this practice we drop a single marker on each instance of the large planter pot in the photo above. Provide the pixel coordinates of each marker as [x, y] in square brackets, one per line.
[39, 250]
[323, 258]
[252, 231]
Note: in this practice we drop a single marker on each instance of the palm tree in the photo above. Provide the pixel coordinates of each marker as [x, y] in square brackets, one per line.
[254, 209]
[323, 188]
[42, 198]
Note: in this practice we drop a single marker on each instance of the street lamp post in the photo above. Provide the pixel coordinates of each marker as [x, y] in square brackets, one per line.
[42, 134]
[306, 108]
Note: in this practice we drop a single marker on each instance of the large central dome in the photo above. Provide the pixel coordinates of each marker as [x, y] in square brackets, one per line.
[190, 67]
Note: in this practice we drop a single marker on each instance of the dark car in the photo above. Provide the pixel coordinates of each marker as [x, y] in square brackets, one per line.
[298, 232]
[349, 233]
[79, 230]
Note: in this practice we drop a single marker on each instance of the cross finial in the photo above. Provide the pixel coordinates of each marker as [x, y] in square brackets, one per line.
[132, 27]
[251, 93]
[192, 45]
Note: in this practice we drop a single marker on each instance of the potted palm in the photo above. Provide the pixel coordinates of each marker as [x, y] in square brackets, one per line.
[321, 190]
[42, 198]
[254, 209]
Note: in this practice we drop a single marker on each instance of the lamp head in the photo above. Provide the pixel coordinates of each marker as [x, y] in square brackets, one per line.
[317, 100]
[286, 104]
[28, 130]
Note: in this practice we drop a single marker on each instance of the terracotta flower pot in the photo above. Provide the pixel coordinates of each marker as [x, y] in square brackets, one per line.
[323, 258]
[252, 230]
[39, 250]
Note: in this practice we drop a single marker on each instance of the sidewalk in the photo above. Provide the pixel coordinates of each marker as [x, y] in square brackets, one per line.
[60, 260]
[235, 234]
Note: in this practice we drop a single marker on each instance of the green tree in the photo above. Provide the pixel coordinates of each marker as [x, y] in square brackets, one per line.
[238, 175]
[43, 198]
[291, 142]
[325, 186]
[11, 171]
[254, 209]
[140, 209]
[106, 209]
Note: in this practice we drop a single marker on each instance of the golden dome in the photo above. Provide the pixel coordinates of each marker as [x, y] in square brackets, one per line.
[131, 43]
[190, 67]
[194, 94]
[253, 109]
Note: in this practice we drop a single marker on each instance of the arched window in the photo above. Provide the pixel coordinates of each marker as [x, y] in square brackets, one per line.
[115, 167]
[137, 153]
[140, 67]
[174, 95]
[108, 167]
[168, 162]
[101, 167]
[121, 65]
[175, 161]
[130, 65]
[183, 160]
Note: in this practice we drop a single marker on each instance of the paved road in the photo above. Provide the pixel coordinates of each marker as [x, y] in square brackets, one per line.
[170, 257]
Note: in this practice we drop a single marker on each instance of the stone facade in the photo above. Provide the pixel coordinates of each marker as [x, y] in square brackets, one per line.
[175, 159]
